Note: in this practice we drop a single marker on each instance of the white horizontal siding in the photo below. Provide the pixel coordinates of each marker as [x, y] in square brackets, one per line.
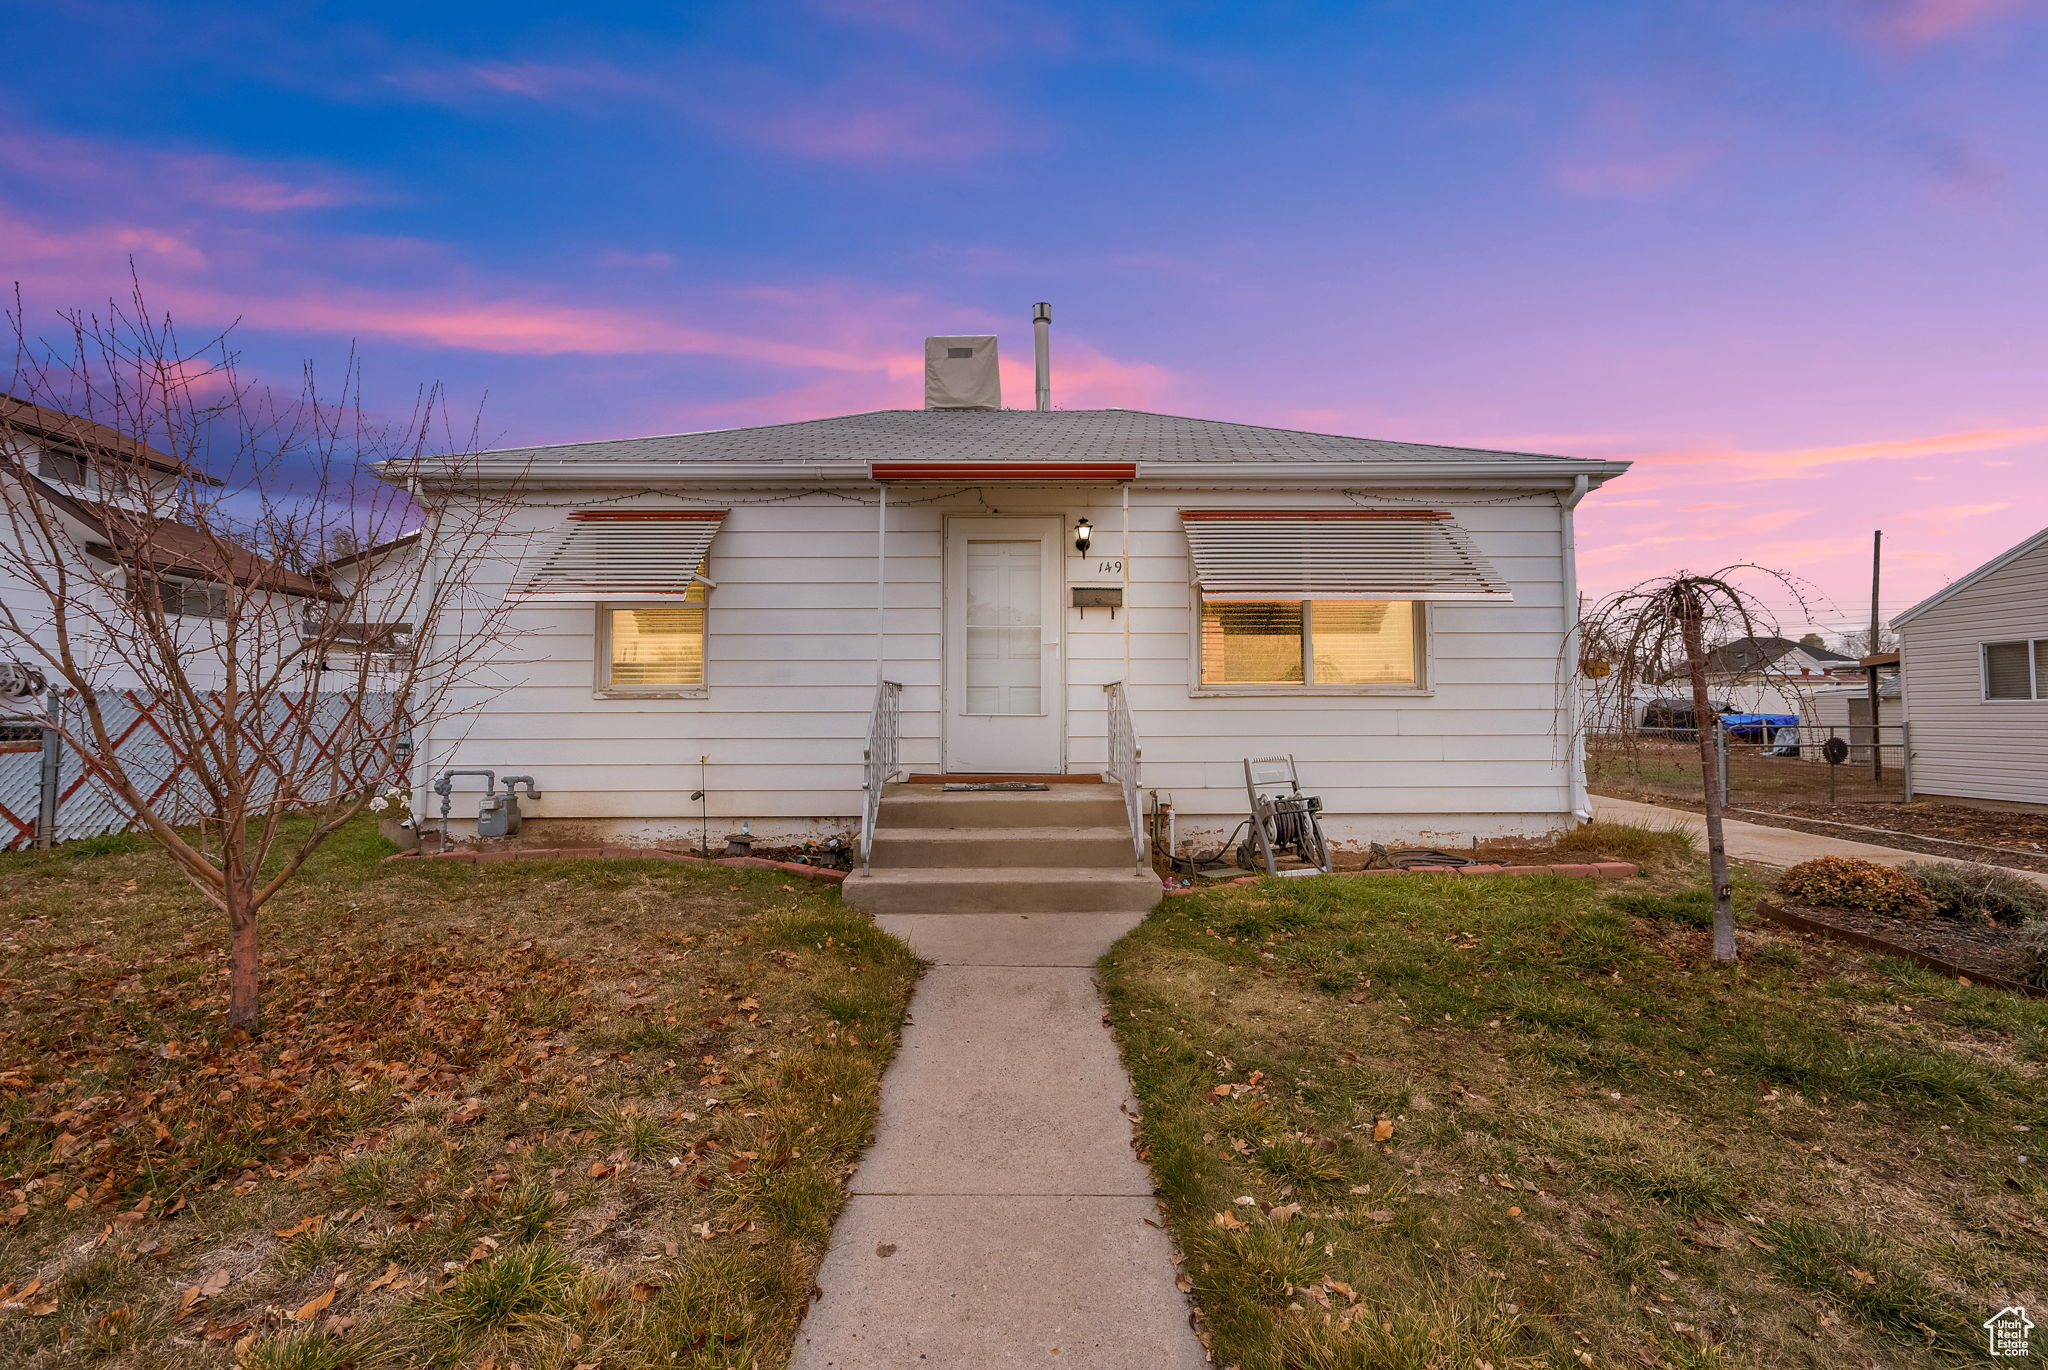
[1964, 744]
[790, 670]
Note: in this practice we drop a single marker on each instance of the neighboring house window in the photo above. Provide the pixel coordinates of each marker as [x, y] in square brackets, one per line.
[2016, 670]
[379, 646]
[67, 468]
[1310, 643]
[189, 598]
[73, 468]
[653, 647]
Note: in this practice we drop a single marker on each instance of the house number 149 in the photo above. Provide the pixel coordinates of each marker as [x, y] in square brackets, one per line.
[1109, 568]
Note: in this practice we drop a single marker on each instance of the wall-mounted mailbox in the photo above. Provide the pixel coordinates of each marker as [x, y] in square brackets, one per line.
[1109, 597]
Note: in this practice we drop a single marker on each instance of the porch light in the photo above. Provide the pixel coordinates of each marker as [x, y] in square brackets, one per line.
[1083, 530]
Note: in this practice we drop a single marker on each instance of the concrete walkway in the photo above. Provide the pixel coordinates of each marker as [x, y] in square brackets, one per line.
[1002, 1217]
[1766, 845]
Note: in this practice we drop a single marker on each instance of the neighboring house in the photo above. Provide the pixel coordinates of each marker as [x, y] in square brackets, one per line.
[1975, 658]
[711, 612]
[1844, 711]
[113, 501]
[380, 586]
[1775, 675]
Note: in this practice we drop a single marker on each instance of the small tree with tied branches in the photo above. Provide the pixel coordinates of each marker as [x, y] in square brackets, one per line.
[1661, 631]
[168, 531]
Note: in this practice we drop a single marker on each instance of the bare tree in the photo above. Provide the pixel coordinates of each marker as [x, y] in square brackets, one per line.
[1664, 630]
[168, 545]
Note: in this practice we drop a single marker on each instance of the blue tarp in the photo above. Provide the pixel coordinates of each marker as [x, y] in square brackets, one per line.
[1755, 721]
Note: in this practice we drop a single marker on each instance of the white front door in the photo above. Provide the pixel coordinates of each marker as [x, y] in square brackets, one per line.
[1005, 694]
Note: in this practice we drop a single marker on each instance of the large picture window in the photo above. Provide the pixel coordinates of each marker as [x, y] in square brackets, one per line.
[1310, 643]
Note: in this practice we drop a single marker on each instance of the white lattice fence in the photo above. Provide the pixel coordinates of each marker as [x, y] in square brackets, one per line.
[309, 732]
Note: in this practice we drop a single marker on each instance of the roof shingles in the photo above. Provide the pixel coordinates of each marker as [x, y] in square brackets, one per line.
[1015, 435]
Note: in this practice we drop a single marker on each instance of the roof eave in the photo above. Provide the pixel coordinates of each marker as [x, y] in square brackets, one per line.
[1562, 473]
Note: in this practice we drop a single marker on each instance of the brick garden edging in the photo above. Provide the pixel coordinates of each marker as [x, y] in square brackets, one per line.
[1597, 870]
[618, 854]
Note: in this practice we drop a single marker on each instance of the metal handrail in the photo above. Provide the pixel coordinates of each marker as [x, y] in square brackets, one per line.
[880, 762]
[1124, 755]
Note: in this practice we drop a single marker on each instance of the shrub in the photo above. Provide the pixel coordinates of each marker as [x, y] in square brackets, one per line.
[1845, 882]
[1981, 894]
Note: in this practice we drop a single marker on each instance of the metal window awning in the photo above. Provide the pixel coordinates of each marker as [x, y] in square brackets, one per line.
[624, 554]
[1268, 554]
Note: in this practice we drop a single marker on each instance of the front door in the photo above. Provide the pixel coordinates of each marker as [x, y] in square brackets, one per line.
[1005, 698]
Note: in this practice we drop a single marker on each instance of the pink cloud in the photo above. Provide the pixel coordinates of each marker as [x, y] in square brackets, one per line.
[1624, 147]
[983, 28]
[641, 261]
[1794, 462]
[870, 118]
[543, 81]
[120, 173]
[1916, 23]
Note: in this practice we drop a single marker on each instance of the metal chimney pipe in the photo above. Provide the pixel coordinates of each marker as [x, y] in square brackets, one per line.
[1041, 343]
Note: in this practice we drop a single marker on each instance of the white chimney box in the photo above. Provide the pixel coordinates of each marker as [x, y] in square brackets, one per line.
[960, 373]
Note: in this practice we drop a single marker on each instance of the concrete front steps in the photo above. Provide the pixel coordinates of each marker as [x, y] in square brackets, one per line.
[1063, 850]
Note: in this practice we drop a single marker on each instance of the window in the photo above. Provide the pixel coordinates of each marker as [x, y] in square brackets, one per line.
[188, 598]
[67, 468]
[370, 645]
[2016, 670]
[1310, 643]
[653, 648]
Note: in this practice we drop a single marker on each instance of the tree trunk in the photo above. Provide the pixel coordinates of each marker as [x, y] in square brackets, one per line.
[1717, 849]
[244, 966]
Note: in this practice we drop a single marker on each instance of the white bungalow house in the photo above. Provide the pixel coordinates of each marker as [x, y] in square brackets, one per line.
[702, 620]
[1974, 658]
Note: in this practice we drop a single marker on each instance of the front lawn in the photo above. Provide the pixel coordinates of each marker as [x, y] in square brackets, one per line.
[1440, 1121]
[542, 1114]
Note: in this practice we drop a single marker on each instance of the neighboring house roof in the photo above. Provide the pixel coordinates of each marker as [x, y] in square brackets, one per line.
[1888, 687]
[1025, 435]
[1961, 583]
[54, 425]
[370, 553]
[179, 549]
[1758, 653]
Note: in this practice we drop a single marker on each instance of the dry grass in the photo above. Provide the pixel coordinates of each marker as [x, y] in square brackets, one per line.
[1655, 849]
[1526, 1122]
[543, 1113]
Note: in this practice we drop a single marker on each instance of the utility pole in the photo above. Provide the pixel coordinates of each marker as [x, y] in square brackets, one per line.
[1870, 669]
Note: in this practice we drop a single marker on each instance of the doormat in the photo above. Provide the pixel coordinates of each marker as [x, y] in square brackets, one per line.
[993, 785]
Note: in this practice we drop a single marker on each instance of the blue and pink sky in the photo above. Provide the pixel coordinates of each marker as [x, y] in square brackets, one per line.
[1787, 255]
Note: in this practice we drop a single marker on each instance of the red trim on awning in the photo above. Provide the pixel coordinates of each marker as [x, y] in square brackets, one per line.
[648, 515]
[976, 472]
[1298, 515]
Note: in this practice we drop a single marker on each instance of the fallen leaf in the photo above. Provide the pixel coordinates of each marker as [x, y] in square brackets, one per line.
[1383, 1129]
[313, 1307]
[1224, 1220]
